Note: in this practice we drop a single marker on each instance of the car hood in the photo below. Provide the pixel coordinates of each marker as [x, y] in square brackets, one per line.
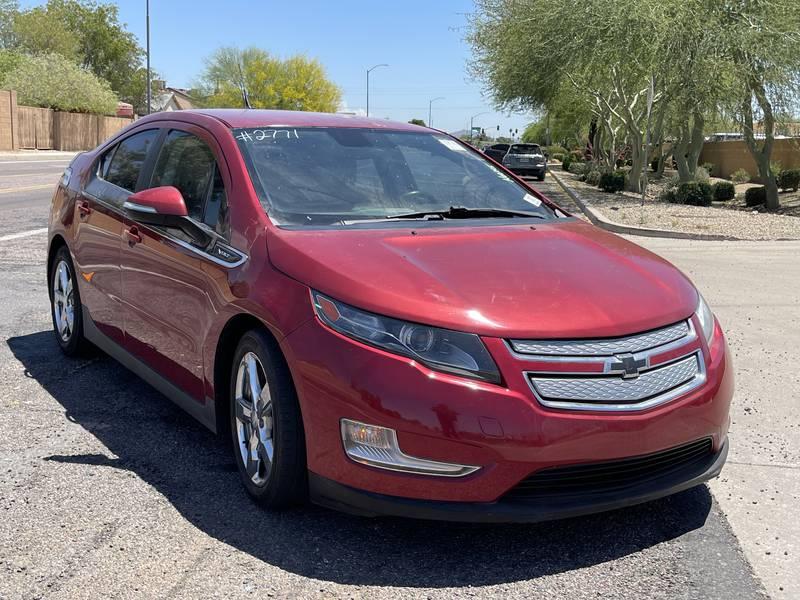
[559, 279]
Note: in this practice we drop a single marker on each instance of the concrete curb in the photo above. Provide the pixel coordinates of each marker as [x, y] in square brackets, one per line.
[600, 220]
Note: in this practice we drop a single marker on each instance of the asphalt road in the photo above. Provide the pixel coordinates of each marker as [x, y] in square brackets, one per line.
[26, 187]
[108, 490]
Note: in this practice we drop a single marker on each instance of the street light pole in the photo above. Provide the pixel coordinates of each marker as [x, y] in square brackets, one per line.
[471, 119]
[368, 72]
[430, 103]
[149, 85]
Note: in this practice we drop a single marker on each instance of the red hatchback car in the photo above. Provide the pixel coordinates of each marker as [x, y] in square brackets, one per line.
[385, 320]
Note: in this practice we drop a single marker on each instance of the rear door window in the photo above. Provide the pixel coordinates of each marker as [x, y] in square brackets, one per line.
[126, 163]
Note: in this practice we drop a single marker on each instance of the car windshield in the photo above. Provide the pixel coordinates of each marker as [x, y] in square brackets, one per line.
[329, 176]
[525, 149]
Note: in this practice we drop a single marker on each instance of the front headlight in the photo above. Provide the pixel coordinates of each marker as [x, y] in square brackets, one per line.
[441, 349]
[706, 318]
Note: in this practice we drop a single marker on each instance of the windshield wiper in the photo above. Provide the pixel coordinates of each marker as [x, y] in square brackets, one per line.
[462, 212]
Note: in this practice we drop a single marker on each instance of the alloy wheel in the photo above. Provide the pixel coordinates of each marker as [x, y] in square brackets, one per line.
[63, 301]
[254, 419]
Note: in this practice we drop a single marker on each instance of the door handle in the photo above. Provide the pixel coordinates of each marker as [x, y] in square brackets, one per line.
[83, 208]
[133, 236]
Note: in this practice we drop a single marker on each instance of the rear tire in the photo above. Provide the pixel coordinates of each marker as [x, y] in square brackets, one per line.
[66, 309]
[540, 177]
[266, 424]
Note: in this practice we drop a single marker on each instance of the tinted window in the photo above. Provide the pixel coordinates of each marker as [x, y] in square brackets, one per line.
[525, 149]
[186, 162]
[128, 158]
[337, 175]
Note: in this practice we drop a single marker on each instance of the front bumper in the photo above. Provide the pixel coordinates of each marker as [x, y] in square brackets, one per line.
[331, 494]
[501, 428]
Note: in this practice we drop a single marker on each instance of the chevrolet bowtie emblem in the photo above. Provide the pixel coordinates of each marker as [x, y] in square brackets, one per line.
[626, 365]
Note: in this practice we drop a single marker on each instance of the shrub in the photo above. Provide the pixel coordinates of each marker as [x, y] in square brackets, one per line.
[593, 177]
[696, 193]
[612, 182]
[789, 179]
[723, 190]
[566, 161]
[709, 167]
[701, 174]
[740, 176]
[578, 167]
[668, 195]
[755, 196]
[52, 81]
[555, 149]
[557, 156]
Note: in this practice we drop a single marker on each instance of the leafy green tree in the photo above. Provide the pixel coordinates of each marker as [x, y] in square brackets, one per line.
[86, 32]
[8, 62]
[106, 48]
[52, 81]
[297, 83]
[761, 42]
[8, 12]
[520, 53]
[417, 122]
[42, 31]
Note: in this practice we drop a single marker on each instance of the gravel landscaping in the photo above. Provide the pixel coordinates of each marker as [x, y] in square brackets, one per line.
[722, 218]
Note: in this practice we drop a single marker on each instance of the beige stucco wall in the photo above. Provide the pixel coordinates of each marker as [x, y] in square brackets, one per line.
[727, 157]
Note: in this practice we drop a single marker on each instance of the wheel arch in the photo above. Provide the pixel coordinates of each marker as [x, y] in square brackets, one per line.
[228, 339]
[56, 243]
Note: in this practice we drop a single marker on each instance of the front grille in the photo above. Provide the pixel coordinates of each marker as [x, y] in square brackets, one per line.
[614, 374]
[611, 476]
[608, 390]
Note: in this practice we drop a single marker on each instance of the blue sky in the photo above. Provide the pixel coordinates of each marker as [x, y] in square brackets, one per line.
[421, 41]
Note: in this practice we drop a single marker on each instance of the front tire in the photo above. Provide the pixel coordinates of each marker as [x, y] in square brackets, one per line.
[266, 425]
[65, 305]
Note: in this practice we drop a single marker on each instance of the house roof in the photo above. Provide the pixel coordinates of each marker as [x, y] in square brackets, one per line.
[182, 100]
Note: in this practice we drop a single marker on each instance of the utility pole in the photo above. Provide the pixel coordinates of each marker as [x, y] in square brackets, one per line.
[149, 84]
[430, 103]
[368, 72]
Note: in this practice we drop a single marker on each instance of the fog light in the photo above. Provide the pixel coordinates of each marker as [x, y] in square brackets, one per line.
[377, 447]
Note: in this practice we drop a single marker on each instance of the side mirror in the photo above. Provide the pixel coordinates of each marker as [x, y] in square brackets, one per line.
[164, 206]
[156, 204]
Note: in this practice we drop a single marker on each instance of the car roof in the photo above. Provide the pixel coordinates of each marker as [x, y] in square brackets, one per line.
[250, 117]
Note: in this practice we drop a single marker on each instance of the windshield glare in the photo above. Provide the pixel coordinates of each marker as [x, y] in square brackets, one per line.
[525, 149]
[328, 176]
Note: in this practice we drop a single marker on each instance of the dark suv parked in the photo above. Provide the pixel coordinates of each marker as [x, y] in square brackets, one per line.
[496, 151]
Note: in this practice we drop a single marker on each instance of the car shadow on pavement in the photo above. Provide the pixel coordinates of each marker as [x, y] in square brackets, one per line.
[194, 470]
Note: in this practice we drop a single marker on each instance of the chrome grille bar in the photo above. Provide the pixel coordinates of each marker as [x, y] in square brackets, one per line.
[604, 346]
